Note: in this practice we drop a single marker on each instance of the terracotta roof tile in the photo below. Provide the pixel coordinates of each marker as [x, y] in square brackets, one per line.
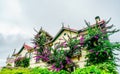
[27, 47]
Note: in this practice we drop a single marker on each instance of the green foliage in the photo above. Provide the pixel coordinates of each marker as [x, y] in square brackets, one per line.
[108, 67]
[98, 44]
[74, 45]
[61, 58]
[104, 68]
[96, 40]
[42, 52]
[22, 62]
[40, 39]
[38, 70]
[9, 64]
[15, 71]
[46, 71]
[88, 70]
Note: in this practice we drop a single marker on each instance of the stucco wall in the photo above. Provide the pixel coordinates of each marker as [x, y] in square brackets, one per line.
[81, 62]
[23, 53]
[61, 39]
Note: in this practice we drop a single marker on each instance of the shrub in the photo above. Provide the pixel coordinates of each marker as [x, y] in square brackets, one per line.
[104, 68]
[99, 46]
[22, 62]
[38, 70]
[15, 71]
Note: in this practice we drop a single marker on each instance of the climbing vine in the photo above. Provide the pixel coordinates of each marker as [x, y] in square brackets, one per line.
[96, 41]
[98, 44]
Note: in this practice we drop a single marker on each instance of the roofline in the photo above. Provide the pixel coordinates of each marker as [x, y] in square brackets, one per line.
[45, 32]
[84, 29]
[60, 31]
[76, 31]
[20, 50]
[48, 33]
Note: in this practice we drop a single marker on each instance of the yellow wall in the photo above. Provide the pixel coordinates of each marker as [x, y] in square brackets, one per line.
[72, 34]
[81, 62]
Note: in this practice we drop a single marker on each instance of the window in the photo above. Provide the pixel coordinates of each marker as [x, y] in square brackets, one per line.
[64, 34]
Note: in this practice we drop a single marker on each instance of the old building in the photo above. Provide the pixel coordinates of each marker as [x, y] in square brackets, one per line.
[63, 34]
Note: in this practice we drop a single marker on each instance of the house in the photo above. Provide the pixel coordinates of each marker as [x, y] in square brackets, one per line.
[63, 34]
[25, 51]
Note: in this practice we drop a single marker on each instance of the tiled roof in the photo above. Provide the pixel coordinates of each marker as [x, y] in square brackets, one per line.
[27, 47]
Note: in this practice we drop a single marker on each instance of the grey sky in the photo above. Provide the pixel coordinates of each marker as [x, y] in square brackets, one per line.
[19, 17]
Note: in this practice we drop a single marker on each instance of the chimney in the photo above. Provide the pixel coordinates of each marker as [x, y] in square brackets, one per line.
[97, 18]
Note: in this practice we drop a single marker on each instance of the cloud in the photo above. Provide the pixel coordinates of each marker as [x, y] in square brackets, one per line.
[10, 42]
[2, 60]
[10, 29]
[12, 9]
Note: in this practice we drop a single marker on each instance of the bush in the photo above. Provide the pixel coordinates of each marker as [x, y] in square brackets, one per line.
[88, 70]
[104, 68]
[38, 70]
[22, 62]
[15, 71]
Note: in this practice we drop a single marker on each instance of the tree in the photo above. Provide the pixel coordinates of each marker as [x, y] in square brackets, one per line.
[100, 48]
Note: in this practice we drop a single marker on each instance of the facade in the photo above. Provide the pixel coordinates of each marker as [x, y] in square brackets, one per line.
[63, 33]
[25, 51]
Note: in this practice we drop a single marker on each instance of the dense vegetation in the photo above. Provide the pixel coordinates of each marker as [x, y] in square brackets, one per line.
[104, 68]
[95, 41]
[22, 62]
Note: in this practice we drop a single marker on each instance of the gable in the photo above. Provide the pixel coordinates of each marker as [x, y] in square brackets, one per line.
[25, 48]
[64, 34]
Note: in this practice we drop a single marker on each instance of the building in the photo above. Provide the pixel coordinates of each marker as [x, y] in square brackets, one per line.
[63, 33]
[25, 51]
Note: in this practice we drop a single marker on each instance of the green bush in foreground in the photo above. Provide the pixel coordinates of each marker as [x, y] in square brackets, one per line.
[15, 71]
[104, 68]
[46, 71]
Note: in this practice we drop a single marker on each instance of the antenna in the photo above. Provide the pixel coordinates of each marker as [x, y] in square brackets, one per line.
[70, 31]
[41, 28]
[14, 51]
[35, 30]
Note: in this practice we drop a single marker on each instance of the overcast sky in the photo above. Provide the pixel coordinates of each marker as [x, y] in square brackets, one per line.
[19, 17]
